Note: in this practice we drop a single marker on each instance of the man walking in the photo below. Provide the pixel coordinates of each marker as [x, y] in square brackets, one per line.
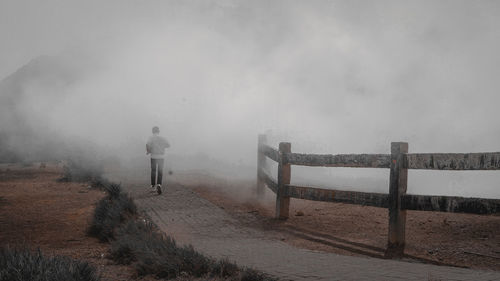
[156, 147]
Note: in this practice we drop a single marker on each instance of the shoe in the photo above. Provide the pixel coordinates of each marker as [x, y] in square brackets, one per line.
[153, 188]
[158, 188]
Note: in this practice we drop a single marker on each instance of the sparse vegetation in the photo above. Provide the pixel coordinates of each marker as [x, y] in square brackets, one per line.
[249, 274]
[110, 212]
[155, 253]
[80, 169]
[99, 182]
[24, 265]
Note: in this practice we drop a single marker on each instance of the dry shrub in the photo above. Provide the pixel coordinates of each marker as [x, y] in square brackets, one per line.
[81, 170]
[110, 212]
[155, 253]
[24, 265]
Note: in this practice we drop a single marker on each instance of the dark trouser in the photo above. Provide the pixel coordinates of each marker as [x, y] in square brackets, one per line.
[156, 167]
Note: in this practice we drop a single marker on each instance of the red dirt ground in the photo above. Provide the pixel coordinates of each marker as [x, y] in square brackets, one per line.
[442, 238]
[38, 212]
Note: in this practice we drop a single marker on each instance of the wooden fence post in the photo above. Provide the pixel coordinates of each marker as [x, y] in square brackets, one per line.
[397, 188]
[284, 174]
[261, 165]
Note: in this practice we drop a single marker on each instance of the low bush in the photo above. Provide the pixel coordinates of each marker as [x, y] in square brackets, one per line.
[110, 212]
[81, 170]
[99, 182]
[155, 253]
[224, 268]
[132, 237]
[249, 274]
[24, 265]
[165, 259]
[114, 190]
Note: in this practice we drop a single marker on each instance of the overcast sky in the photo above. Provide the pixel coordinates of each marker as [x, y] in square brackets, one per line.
[329, 76]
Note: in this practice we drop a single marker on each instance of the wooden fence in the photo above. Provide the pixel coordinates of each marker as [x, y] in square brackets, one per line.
[397, 201]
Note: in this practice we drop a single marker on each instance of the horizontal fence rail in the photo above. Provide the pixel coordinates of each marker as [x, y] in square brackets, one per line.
[270, 152]
[450, 204]
[340, 196]
[339, 160]
[268, 181]
[397, 201]
[454, 161]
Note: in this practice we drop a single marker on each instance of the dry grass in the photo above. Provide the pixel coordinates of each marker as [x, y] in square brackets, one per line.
[23, 265]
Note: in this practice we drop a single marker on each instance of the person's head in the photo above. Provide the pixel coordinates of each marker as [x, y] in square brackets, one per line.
[156, 130]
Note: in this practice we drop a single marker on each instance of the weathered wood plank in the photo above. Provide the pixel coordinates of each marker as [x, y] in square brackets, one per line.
[284, 176]
[268, 181]
[340, 160]
[454, 161]
[398, 182]
[340, 196]
[261, 165]
[269, 152]
[451, 204]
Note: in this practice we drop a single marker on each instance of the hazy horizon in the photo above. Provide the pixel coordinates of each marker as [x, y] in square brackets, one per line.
[327, 76]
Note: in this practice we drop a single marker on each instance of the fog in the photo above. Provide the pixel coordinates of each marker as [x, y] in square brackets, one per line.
[327, 76]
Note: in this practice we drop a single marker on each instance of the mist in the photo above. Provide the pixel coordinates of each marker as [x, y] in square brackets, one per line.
[327, 76]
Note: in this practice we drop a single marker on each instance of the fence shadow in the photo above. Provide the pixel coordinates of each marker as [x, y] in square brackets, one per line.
[354, 247]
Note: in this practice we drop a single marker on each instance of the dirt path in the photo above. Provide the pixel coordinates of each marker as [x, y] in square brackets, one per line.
[187, 217]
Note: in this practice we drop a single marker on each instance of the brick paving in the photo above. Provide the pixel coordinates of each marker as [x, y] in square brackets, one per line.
[190, 219]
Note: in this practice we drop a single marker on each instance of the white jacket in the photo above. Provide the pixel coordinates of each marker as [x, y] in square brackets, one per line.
[156, 146]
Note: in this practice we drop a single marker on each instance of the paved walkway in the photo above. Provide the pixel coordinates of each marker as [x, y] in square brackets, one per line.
[191, 219]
